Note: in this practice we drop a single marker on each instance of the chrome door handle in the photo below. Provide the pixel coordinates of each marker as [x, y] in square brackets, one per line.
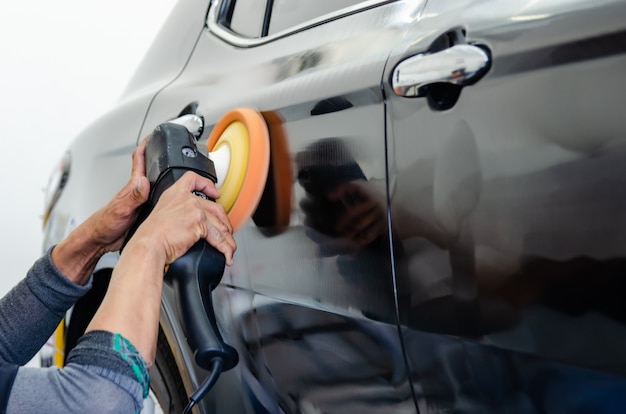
[460, 65]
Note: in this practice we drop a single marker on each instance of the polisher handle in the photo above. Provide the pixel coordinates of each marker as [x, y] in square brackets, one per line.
[193, 277]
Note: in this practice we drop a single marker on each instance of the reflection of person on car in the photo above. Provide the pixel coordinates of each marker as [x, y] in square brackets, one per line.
[108, 371]
[340, 202]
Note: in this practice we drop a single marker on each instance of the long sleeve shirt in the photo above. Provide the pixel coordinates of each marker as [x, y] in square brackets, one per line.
[104, 372]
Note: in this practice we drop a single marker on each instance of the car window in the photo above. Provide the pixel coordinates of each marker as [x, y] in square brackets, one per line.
[252, 22]
[290, 13]
[247, 18]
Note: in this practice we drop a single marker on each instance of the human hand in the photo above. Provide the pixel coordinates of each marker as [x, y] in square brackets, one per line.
[361, 218]
[181, 218]
[104, 231]
[352, 213]
[109, 225]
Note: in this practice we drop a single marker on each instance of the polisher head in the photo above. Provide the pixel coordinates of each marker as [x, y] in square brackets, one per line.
[240, 148]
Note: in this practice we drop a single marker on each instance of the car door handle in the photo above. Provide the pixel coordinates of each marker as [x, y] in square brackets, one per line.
[461, 65]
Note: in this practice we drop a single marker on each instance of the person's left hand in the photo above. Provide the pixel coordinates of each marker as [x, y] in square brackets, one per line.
[105, 230]
[111, 223]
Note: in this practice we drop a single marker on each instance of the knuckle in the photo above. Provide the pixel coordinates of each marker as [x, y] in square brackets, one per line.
[216, 234]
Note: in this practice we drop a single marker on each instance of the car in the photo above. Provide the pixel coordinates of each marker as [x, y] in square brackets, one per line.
[439, 227]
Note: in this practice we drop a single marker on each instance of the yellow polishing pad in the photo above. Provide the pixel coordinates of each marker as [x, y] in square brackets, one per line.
[244, 132]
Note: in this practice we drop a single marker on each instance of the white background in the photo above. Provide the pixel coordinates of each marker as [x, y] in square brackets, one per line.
[62, 64]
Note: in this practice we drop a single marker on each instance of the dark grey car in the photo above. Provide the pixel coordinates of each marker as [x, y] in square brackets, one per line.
[450, 239]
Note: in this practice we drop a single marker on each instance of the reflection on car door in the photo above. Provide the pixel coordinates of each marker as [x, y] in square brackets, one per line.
[310, 306]
[507, 207]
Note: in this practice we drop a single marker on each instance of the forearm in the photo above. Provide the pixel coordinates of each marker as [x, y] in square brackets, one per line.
[131, 305]
[31, 311]
[77, 255]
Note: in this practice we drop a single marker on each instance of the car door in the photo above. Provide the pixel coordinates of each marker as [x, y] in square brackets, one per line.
[506, 159]
[309, 303]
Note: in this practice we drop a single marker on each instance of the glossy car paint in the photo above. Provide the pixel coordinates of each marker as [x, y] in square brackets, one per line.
[505, 210]
[324, 86]
[485, 277]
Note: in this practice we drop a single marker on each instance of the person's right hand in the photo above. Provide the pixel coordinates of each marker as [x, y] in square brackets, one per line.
[181, 218]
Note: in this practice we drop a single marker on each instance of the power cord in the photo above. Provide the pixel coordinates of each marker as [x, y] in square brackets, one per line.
[216, 369]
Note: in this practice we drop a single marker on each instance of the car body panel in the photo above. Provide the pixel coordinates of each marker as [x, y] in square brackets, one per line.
[507, 208]
[325, 98]
[170, 50]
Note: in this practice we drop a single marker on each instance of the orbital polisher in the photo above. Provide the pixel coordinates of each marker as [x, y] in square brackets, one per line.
[238, 162]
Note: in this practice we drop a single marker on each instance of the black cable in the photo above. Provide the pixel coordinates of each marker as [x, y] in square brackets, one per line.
[216, 370]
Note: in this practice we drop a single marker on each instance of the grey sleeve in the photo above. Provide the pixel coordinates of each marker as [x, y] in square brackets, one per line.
[31, 311]
[73, 389]
[104, 374]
